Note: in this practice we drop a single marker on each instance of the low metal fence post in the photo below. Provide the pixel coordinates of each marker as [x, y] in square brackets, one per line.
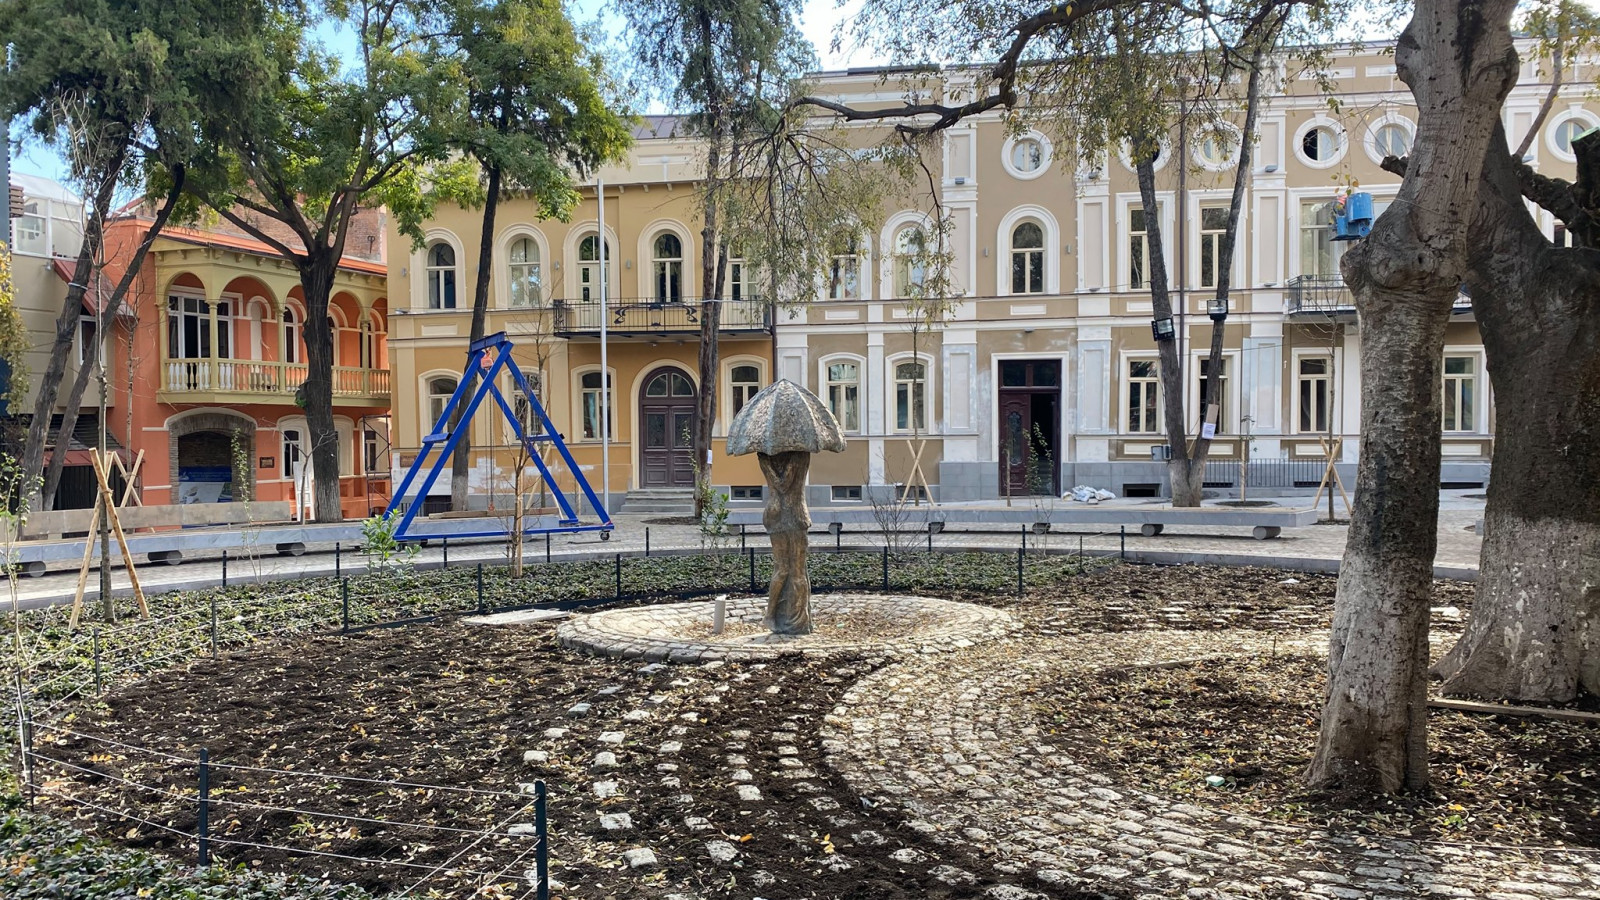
[541, 830]
[344, 602]
[1021, 589]
[338, 560]
[752, 555]
[446, 543]
[647, 541]
[1024, 537]
[547, 549]
[1122, 544]
[94, 637]
[480, 589]
[619, 576]
[203, 814]
[213, 627]
[886, 567]
[224, 568]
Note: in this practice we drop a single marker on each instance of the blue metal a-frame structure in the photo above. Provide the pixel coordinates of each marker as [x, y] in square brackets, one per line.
[445, 439]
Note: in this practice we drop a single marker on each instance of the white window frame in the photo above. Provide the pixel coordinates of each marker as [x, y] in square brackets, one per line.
[1228, 424]
[1202, 236]
[888, 288]
[667, 270]
[1298, 263]
[1052, 242]
[578, 391]
[1369, 142]
[429, 417]
[430, 271]
[891, 384]
[826, 385]
[41, 239]
[513, 394]
[1126, 383]
[581, 265]
[763, 378]
[1126, 205]
[1332, 379]
[1341, 142]
[1125, 154]
[1046, 155]
[1229, 141]
[541, 266]
[1480, 389]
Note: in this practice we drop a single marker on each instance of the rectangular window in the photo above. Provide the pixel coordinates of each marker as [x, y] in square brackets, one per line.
[1315, 393]
[372, 453]
[910, 396]
[1319, 252]
[747, 492]
[1213, 226]
[1144, 396]
[844, 394]
[1139, 248]
[846, 492]
[28, 230]
[1203, 369]
[1460, 393]
[531, 425]
[88, 328]
[189, 328]
[745, 382]
[591, 409]
[844, 277]
[737, 273]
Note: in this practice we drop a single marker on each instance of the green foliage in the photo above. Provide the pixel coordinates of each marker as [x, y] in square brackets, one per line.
[383, 552]
[14, 339]
[535, 108]
[41, 858]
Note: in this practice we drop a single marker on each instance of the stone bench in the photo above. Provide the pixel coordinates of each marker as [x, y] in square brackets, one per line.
[1265, 522]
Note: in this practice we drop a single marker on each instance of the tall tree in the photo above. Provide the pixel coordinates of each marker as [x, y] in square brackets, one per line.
[725, 64]
[1534, 630]
[535, 117]
[326, 142]
[1458, 60]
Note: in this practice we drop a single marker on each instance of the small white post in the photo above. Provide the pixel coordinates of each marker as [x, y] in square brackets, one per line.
[719, 613]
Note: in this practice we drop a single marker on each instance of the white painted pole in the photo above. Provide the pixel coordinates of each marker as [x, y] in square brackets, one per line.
[605, 373]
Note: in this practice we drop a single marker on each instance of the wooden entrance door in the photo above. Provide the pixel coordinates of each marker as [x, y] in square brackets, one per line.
[667, 410]
[1030, 427]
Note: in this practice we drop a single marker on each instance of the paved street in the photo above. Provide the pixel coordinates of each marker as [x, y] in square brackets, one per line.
[1316, 546]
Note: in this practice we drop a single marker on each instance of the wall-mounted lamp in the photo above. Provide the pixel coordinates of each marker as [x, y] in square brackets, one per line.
[1270, 169]
[1217, 308]
[1094, 174]
[1163, 329]
[556, 265]
[960, 180]
[1067, 249]
[627, 264]
[403, 271]
[986, 253]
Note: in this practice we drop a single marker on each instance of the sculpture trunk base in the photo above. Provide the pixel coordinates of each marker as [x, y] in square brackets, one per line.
[788, 521]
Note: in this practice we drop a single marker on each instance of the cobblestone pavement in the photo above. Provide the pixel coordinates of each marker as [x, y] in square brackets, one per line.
[1459, 547]
[952, 742]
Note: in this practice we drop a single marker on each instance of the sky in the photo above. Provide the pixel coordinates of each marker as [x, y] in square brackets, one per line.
[819, 19]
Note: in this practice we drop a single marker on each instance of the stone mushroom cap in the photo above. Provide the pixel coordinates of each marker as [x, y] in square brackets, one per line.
[783, 418]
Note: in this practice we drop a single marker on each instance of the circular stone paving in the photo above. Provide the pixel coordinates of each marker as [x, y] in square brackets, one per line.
[869, 623]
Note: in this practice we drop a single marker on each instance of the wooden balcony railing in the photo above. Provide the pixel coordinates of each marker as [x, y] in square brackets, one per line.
[275, 381]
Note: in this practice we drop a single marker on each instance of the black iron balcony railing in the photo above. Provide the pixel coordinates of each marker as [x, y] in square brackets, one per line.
[1327, 295]
[636, 317]
[1324, 294]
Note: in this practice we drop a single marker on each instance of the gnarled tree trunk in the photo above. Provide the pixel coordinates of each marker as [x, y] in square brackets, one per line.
[1535, 621]
[1458, 60]
[317, 274]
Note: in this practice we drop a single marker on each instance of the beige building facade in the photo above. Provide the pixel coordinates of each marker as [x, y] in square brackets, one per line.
[1045, 375]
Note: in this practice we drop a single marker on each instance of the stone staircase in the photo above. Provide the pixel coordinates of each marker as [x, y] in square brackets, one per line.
[659, 502]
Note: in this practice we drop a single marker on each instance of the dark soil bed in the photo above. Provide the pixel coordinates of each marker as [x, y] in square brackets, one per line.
[456, 705]
[1253, 722]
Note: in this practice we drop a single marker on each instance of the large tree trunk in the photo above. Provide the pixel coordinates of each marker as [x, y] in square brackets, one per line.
[709, 357]
[1460, 64]
[460, 463]
[49, 383]
[1535, 624]
[317, 274]
[107, 320]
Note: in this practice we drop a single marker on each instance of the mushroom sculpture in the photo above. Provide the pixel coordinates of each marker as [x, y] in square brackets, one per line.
[783, 425]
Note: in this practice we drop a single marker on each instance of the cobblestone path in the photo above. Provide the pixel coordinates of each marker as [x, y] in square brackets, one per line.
[952, 743]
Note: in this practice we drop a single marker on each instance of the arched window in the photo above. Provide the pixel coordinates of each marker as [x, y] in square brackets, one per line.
[844, 394]
[590, 388]
[523, 274]
[589, 251]
[1027, 259]
[440, 391]
[910, 260]
[441, 276]
[292, 338]
[531, 424]
[745, 382]
[667, 267]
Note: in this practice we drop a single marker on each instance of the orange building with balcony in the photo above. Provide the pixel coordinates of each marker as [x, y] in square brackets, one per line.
[209, 356]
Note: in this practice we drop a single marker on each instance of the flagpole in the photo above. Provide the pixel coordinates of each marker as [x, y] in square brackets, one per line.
[605, 373]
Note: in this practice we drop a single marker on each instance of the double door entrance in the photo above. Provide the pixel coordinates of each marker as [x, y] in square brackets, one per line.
[668, 410]
[1030, 427]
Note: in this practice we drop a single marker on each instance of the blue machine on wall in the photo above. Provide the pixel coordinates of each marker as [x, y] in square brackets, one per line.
[444, 439]
[1352, 220]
